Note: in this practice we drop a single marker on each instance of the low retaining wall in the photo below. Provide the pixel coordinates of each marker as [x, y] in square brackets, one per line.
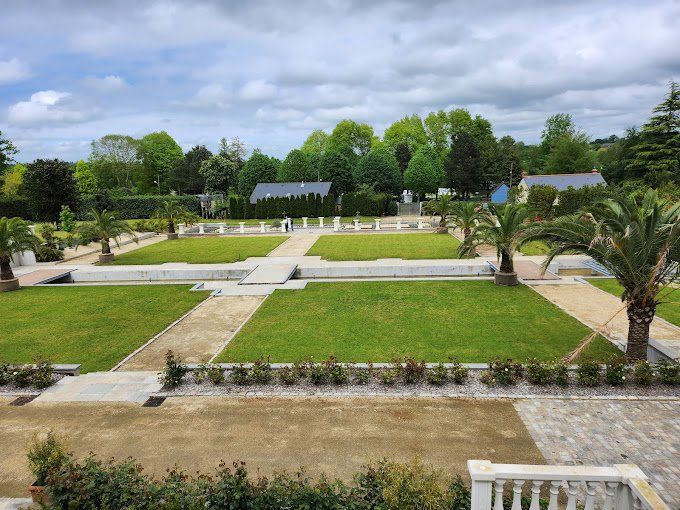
[131, 273]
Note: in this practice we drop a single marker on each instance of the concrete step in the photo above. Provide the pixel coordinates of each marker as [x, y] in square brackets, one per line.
[269, 274]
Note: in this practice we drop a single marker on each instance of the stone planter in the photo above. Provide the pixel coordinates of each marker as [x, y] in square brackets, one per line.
[172, 236]
[38, 495]
[506, 279]
[8, 285]
[442, 230]
[106, 258]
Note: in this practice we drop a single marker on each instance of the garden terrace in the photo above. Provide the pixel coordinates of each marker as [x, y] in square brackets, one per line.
[473, 321]
[212, 250]
[383, 246]
[96, 326]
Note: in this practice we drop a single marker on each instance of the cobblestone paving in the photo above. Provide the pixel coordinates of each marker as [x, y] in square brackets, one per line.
[607, 432]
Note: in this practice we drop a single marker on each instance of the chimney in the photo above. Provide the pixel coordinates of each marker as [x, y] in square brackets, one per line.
[594, 171]
[303, 184]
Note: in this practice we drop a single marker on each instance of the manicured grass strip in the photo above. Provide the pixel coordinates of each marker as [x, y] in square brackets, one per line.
[96, 326]
[535, 248]
[669, 308]
[202, 250]
[432, 320]
[386, 246]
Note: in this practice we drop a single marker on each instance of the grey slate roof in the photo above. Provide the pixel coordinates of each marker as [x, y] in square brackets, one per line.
[563, 181]
[283, 189]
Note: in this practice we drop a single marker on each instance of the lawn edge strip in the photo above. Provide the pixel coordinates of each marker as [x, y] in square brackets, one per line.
[237, 330]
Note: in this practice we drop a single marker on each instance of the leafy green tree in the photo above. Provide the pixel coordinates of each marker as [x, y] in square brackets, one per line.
[615, 160]
[437, 131]
[556, 127]
[235, 151]
[106, 227]
[658, 150]
[15, 237]
[350, 134]
[114, 160]
[408, 130]
[259, 168]
[380, 170]
[217, 172]
[185, 175]
[49, 184]
[443, 207]
[462, 166]
[316, 142]
[504, 228]
[569, 155]
[85, 179]
[13, 180]
[634, 241]
[541, 200]
[171, 212]
[509, 162]
[336, 167]
[297, 167]
[159, 153]
[7, 152]
[424, 173]
[489, 159]
[403, 155]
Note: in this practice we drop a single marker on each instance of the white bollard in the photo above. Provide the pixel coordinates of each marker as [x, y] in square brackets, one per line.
[320, 221]
[221, 229]
[398, 223]
[240, 227]
[262, 227]
[304, 222]
[201, 228]
[336, 223]
[420, 223]
[357, 225]
[283, 225]
[182, 228]
[377, 223]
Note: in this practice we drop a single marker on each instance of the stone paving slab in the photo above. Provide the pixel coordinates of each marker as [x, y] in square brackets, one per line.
[14, 503]
[296, 245]
[103, 387]
[575, 432]
[269, 274]
[42, 276]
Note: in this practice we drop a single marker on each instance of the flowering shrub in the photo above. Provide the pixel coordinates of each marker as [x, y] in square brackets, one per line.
[538, 372]
[40, 375]
[643, 374]
[438, 376]
[239, 375]
[504, 372]
[174, 372]
[669, 372]
[388, 376]
[616, 373]
[459, 373]
[261, 372]
[288, 376]
[588, 373]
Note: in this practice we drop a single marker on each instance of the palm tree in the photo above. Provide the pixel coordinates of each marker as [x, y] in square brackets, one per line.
[442, 208]
[465, 216]
[637, 242]
[15, 237]
[172, 212]
[502, 227]
[105, 227]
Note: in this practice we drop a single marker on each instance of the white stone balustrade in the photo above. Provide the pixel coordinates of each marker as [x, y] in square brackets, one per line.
[220, 228]
[357, 225]
[320, 221]
[201, 228]
[283, 225]
[622, 486]
[420, 224]
[336, 223]
[304, 221]
[262, 229]
[241, 227]
[398, 223]
[182, 228]
[377, 223]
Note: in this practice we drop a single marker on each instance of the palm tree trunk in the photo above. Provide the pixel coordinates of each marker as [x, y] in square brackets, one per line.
[106, 247]
[506, 263]
[171, 227]
[5, 269]
[640, 317]
[466, 232]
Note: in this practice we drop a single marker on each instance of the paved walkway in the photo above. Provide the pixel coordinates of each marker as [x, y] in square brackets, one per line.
[42, 276]
[72, 256]
[103, 387]
[14, 503]
[200, 335]
[606, 432]
[296, 245]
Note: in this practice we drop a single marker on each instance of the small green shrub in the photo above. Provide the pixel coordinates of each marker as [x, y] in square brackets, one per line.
[174, 371]
[261, 372]
[361, 376]
[504, 372]
[46, 455]
[643, 373]
[67, 219]
[412, 371]
[5, 374]
[239, 375]
[438, 376]
[388, 376]
[538, 372]
[215, 374]
[337, 373]
[200, 374]
[288, 376]
[23, 376]
[488, 378]
[669, 372]
[43, 372]
[459, 373]
[317, 374]
[616, 373]
[588, 373]
[560, 373]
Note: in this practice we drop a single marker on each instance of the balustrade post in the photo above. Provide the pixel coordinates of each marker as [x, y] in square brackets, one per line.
[336, 223]
[482, 475]
[262, 227]
[377, 223]
[241, 226]
[420, 224]
[182, 228]
[304, 221]
[201, 228]
[283, 225]
[320, 221]
[398, 223]
[221, 228]
[357, 225]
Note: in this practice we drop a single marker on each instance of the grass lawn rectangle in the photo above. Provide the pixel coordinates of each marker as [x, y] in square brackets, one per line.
[96, 326]
[474, 321]
[386, 246]
[202, 250]
[668, 309]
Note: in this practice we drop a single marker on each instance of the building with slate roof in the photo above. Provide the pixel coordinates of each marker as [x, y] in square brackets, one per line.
[559, 181]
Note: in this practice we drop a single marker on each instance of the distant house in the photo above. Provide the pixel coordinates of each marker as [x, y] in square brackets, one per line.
[500, 194]
[265, 190]
[559, 181]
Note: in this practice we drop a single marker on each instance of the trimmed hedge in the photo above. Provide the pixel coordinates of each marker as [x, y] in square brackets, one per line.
[311, 205]
[138, 206]
[379, 204]
[15, 207]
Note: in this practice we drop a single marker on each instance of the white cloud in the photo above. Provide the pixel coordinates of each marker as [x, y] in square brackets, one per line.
[258, 90]
[13, 70]
[49, 107]
[110, 83]
[212, 95]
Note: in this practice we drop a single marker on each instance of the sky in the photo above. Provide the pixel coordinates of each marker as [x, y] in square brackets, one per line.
[270, 72]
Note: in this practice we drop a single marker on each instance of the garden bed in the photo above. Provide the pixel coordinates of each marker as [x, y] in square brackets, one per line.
[386, 246]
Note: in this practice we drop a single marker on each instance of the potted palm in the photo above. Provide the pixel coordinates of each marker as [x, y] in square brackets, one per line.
[106, 227]
[45, 454]
[15, 237]
[443, 208]
[171, 212]
[502, 227]
[465, 216]
[637, 242]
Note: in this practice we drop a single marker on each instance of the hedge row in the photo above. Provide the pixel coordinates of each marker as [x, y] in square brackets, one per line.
[310, 205]
[379, 204]
[14, 207]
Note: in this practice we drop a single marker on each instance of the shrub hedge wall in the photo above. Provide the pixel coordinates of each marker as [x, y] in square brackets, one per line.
[14, 207]
[138, 206]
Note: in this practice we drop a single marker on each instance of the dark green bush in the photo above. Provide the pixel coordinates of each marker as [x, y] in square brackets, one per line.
[412, 371]
[239, 375]
[438, 376]
[136, 206]
[504, 372]
[388, 376]
[643, 373]
[588, 373]
[288, 376]
[337, 373]
[616, 373]
[317, 374]
[538, 372]
[261, 372]
[560, 373]
[173, 373]
[15, 208]
[669, 372]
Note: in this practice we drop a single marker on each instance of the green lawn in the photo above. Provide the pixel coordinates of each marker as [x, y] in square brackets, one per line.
[386, 246]
[535, 248]
[96, 326]
[668, 309]
[432, 320]
[202, 250]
